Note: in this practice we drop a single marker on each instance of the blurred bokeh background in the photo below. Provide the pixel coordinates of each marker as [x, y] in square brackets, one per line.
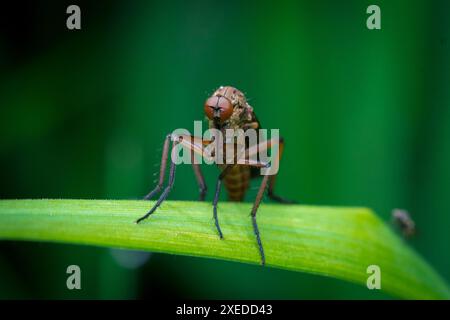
[365, 115]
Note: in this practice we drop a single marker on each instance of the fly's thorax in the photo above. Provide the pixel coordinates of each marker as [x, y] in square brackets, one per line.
[241, 109]
[235, 96]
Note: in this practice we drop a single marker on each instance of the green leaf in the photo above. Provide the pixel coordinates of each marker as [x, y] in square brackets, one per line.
[331, 241]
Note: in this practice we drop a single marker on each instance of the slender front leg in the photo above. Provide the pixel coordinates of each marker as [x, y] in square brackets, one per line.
[216, 197]
[162, 169]
[166, 190]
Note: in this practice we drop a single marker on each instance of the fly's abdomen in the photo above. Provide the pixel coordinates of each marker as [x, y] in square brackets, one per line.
[237, 182]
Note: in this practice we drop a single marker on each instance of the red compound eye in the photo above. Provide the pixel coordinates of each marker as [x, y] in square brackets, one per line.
[218, 107]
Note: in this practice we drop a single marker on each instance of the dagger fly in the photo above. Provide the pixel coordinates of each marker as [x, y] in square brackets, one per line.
[226, 109]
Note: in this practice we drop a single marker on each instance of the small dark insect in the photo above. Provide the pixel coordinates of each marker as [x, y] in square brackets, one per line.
[227, 108]
[404, 221]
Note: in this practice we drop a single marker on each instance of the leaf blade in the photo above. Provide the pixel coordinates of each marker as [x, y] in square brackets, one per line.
[331, 241]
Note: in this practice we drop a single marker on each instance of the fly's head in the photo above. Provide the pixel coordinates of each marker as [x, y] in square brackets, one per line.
[226, 108]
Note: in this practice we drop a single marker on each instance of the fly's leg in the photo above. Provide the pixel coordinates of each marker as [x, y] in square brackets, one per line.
[200, 181]
[258, 199]
[195, 144]
[216, 197]
[253, 151]
[192, 143]
[217, 193]
[267, 180]
[170, 184]
[270, 191]
[162, 169]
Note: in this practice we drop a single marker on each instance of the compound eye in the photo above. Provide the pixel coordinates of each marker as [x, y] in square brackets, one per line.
[218, 107]
[209, 107]
[226, 109]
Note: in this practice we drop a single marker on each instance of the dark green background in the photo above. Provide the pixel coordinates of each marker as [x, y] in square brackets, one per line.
[365, 115]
